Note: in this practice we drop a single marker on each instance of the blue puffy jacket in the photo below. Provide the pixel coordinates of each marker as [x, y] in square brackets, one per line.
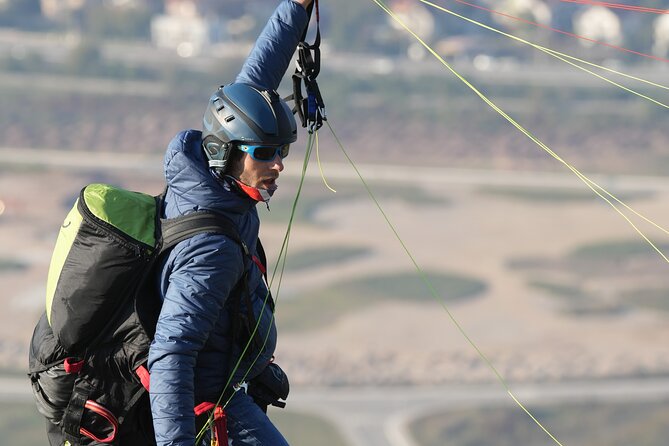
[191, 353]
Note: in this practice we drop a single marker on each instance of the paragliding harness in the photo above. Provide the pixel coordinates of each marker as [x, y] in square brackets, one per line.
[89, 349]
[311, 109]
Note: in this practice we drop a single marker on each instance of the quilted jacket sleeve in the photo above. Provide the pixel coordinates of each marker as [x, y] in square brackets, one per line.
[271, 55]
[204, 271]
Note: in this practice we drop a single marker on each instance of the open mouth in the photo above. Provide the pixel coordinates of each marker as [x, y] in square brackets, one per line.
[270, 184]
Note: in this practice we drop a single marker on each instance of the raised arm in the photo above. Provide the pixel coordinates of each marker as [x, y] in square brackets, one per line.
[272, 52]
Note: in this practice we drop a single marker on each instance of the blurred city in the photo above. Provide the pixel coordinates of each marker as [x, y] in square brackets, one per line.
[520, 153]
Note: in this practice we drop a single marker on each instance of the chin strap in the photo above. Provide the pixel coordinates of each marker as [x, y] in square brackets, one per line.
[260, 195]
[311, 109]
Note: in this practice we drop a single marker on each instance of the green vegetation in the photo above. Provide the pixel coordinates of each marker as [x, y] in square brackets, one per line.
[306, 430]
[440, 120]
[618, 249]
[592, 424]
[323, 307]
[615, 257]
[569, 292]
[650, 298]
[316, 258]
[555, 196]
[415, 108]
[409, 286]
[602, 278]
[100, 21]
[577, 301]
[21, 424]
[9, 265]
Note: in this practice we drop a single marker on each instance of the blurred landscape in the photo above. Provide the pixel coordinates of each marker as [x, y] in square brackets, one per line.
[543, 276]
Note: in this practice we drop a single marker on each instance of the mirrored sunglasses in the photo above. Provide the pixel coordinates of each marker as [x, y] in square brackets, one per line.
[265, 153]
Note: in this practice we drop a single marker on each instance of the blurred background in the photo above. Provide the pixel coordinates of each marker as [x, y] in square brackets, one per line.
[557, 289]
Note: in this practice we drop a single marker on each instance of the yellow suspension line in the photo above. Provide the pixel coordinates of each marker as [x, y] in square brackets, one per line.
[320, 167]
[596, 188]
[435, 295]
[563, 57]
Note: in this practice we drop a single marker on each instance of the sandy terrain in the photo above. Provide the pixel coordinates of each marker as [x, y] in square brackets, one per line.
[521, 330]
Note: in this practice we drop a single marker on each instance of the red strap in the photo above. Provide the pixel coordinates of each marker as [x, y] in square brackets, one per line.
[72, 365]
[260, 195]
[144, 376]
[220, 422]
[220, 428]
[107, 415]
[203, 407]
[257, 261]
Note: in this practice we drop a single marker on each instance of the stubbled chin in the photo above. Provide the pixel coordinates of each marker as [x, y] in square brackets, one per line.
[270, 187]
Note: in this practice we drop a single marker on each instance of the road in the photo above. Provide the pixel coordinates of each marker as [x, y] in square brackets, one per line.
[151, 166]
[380, 416]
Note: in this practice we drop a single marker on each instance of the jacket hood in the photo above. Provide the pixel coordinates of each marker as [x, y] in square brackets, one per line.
[192, 186]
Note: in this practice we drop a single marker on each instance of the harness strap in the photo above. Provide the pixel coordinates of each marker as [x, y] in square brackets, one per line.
[71, 423]
[220, 427]
[73, 365]
[144, 376]
[107, 415]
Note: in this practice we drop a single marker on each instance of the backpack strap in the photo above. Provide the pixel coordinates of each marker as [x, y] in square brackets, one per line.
[175, 230]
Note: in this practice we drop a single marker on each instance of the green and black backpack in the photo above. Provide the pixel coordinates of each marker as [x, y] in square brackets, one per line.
[89, 349]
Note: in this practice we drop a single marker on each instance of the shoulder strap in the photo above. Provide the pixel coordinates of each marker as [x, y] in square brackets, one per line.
[175, 230]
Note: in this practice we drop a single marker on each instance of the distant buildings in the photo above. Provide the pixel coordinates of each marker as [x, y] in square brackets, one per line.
[59, 9]
[188, 27]
[418, 18]
[533, 10]
[661, 36]
[600, 24]
[182, 28]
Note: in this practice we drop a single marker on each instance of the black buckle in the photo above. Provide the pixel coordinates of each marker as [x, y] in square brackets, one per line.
[311, 109]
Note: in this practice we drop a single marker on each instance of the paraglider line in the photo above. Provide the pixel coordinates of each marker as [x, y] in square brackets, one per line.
[619, 6]
[566, 33]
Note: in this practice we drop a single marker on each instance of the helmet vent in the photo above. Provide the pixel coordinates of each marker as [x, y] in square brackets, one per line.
[241, 112]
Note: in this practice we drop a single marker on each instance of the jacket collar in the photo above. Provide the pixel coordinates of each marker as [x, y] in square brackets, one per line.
[192, 186]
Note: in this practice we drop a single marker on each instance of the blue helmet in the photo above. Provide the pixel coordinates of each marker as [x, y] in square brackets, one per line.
[240, 113]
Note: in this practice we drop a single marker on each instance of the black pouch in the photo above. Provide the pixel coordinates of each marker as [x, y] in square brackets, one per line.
[51, 384]
[269, 387]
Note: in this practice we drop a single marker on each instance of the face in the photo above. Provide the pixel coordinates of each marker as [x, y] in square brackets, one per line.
[258, 174]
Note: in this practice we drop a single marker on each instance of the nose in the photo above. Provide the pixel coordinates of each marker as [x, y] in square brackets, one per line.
[277, 163]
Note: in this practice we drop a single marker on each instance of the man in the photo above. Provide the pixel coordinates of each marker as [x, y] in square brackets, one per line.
[228, 168]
